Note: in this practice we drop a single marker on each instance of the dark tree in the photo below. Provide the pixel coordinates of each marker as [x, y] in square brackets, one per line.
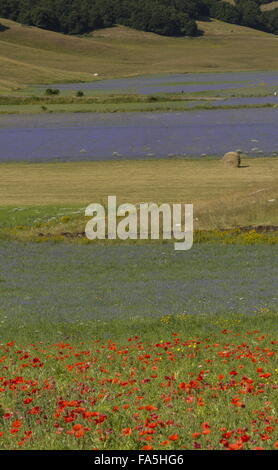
[270, 20]
[43, 18]
[225, 12]
[250, 13]
[167, 17]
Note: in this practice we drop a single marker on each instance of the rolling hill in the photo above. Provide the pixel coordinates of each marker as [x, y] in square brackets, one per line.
[269, 6]
[264, 7]
[29, 55]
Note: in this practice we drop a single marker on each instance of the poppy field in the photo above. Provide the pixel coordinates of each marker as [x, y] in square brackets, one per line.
[180, 382]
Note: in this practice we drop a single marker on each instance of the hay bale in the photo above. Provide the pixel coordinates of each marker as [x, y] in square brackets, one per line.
[232, 159]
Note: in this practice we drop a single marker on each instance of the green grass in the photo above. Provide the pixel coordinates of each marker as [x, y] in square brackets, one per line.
[255, 91]
[34, 198]
[51, 283]
[204, 82]
[179, 382]
[29, 216]
[250, 92]
[100, 103]
[33, 101]
[125, 107]
[30, 55]
[67, 224]
[27, 330]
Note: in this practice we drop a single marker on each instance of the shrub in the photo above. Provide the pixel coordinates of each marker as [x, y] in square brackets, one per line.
[52, 91]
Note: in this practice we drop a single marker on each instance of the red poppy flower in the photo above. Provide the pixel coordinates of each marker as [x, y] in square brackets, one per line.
[173, 437]
[126, 431]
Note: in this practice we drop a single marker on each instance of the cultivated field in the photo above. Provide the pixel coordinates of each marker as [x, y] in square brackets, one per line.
[31, 55]
[60, 283]
[222, 198]
[171, 92]
[182, 383]
[133, 345]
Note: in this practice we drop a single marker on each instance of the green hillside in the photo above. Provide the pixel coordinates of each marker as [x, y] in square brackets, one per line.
[31, 55]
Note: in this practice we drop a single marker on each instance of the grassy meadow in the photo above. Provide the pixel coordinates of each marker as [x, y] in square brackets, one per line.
[34, 100]
[51, 198]
[154, 105]
[184, 382]
[30, 55]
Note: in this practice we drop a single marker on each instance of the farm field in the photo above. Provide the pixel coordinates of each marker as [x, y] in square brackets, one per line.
[63, 283]
[159, 105]
[131, 345]
[51, 198]
[173, 83]
[134, 347]
[31, 55]
[157, 92]
[150, 135]
[187, 382]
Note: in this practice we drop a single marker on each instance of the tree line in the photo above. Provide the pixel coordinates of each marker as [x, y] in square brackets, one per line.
[165, 17]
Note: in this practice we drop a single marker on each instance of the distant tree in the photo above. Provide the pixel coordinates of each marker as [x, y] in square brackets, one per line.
[44, 18]
[105, 10]
[26, 17]
[52, 91]
[167, 17]
[10, 9]
[225, 12]
[96, 20]
[74, 23]
[270, 20]
[187, 26]
[250, 13]
[26, 10]
[163, 21]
